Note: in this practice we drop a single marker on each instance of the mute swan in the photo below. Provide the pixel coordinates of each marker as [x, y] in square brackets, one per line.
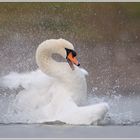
[61, 97]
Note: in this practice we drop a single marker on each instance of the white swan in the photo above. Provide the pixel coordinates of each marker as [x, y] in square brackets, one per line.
[61, 97]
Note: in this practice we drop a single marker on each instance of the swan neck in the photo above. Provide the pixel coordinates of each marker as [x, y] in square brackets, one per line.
[47, 64]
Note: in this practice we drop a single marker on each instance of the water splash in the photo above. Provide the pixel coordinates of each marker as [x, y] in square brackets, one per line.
[123, 110]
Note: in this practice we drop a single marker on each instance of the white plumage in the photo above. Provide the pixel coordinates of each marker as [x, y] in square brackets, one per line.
[55, 92]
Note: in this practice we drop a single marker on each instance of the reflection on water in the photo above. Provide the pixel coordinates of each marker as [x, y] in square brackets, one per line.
[108, 33]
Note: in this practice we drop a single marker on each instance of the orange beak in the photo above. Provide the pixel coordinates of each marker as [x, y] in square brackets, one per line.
[72, 60]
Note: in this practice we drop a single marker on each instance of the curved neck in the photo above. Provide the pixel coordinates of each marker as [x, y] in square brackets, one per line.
[48, 65]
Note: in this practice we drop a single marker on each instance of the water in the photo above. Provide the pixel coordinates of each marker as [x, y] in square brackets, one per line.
[123, 110]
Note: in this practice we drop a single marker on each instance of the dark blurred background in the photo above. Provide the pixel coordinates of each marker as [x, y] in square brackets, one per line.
[106, 37]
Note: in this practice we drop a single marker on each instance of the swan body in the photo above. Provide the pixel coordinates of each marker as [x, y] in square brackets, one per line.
[56, 91]
[70, 81]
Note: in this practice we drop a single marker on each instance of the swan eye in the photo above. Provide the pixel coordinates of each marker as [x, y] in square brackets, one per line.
[71, 51]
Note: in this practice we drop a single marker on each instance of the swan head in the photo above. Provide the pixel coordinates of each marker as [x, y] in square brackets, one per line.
[56, 46]
[66, 50]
